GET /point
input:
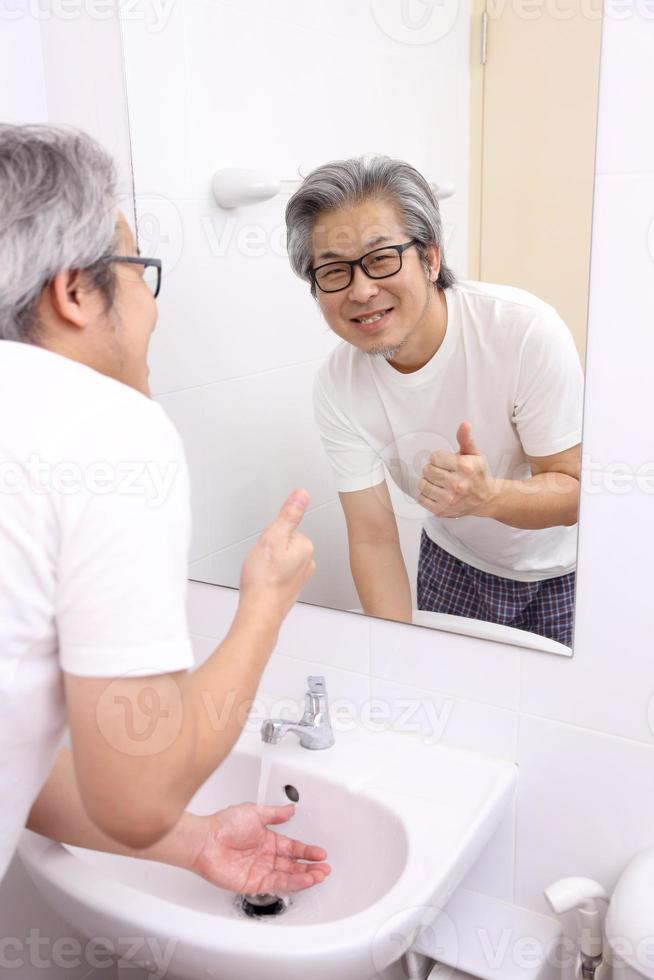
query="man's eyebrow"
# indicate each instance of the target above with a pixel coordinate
(378, 240)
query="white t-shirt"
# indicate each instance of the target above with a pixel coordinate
(94, 535)
(508, 365)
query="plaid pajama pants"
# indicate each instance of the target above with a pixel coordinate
(448, 585)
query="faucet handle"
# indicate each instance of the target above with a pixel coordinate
(316, 684)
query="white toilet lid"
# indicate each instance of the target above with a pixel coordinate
(630, 918)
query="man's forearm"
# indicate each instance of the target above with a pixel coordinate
(381, 579)
(58, 813)
(545, 500)
(161, 736)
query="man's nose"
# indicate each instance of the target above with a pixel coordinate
(362, 286)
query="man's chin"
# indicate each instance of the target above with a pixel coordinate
(386, 348)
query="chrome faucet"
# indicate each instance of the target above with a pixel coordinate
(314, 729)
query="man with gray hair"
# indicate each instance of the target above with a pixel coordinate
(468, 394)
(92, 606)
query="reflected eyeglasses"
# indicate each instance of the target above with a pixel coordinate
(380, 263)
(151, 269)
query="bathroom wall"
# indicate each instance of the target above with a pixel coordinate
(23, 96)
(581, 730)
(239, 339)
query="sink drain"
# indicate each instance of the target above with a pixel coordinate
(260, 906)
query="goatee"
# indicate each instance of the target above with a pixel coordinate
(386, 351)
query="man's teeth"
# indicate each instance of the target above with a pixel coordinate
(372, 319)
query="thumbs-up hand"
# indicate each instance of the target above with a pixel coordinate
(281, 561)
(457, 484)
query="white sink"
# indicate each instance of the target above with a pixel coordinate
(402, 823)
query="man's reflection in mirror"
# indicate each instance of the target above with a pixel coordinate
(468, 394)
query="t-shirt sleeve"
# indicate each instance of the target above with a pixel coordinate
(355, 464)
(125, 534)
(549, 398)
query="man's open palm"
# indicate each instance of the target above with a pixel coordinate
(241, 854)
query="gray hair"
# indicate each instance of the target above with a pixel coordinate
(58, 193)
(345, 182)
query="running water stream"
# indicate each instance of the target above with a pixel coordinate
(264, 773)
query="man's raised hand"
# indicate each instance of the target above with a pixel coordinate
(458, 484)
(281, 561)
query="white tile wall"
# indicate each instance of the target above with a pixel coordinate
(220, 313)
(441, 719)
(625, 141)
(619, 394)
(325, 526)
(22, 71)
(240, 439)
(586, 805)
(460, 666)
(84, 83)
(608, 685)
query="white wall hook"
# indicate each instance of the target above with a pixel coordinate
(443, 189)
(235, 187)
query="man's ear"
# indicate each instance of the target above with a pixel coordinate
(433, 255)
(67, 297)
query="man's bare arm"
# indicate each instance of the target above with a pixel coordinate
(549, 498)
(461, 485)
(233, 848)
(376, 559)
(58, 813)
(143, 745)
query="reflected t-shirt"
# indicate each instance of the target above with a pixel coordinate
(508, 365)
(94, 535)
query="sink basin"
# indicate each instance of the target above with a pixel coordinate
(484, 630)
(402, 823)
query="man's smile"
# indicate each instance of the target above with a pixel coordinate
(372, 320)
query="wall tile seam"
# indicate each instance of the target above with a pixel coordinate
(320, 31)
(238, 377)
(519, 712)
(623, 174)
(290, 656)
(321, 663)
(255, 537)
(370, 679)
(448, 696)
(585, 730)
(373, 623)
(516, 809)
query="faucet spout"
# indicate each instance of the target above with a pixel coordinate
(314, 729)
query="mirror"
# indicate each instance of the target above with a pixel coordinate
(454, 413)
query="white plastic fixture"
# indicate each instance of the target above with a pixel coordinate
(630, 919)
(236, 187)
(580, 894)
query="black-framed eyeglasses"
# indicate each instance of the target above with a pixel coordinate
(378, 264)
(151, 269)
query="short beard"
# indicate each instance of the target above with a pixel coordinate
(385, 351)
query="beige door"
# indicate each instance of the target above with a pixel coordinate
(533, 148)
